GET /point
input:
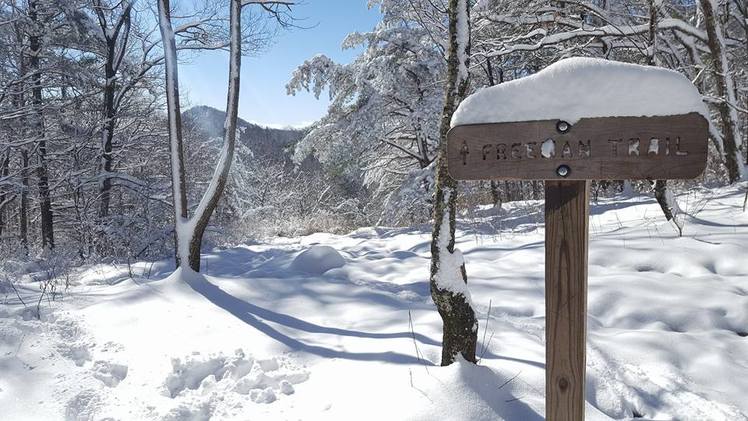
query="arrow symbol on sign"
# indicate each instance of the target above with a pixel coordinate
(464, 151)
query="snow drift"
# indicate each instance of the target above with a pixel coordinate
(317, 260)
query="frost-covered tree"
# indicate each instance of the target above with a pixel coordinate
(44, 64)
(51, 105)
(131, 53)
(381, 128)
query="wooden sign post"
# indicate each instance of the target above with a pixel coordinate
(567, 157)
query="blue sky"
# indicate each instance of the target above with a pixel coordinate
(263, 96)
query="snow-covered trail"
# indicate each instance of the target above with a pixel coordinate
(263, 336)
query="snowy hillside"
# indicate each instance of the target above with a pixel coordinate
(343, 327)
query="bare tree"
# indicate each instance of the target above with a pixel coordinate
(190, 229)
(116, 32)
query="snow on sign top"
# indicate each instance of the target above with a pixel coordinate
(582, 119)
(576, 88)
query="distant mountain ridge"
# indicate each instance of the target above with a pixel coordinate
(265, 142)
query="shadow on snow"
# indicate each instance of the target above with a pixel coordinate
(253, 315)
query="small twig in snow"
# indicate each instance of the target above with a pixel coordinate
(415, 344)
(510, 380)
(16, 291)
(485, 330)
(485, 348)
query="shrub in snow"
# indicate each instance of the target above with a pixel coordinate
(317, 260)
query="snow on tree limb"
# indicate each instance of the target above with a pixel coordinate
(547, 41)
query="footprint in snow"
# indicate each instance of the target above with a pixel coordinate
(262, 380)
(83, 406)
(72, 342)
(109, 373)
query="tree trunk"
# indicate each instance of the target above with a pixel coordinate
(20, 102)
(23, 222)
(107, 133)
(495, 190)
(495, 194)
(4, 171)
(745, 141)
(460, 326)
(210, 200)
(42, 172)
(114, 56)
(726, 93)
(176, 148)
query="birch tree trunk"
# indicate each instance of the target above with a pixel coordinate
(726, 93)
(174, 118)
(448, 280)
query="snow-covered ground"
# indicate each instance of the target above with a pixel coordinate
(265, 337)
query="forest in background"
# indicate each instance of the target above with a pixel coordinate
(84, 156)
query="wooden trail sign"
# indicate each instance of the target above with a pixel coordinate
(609, 148)
(567, 157)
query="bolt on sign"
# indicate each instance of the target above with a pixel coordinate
(665, 145)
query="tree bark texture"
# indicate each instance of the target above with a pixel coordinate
(460, 326)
